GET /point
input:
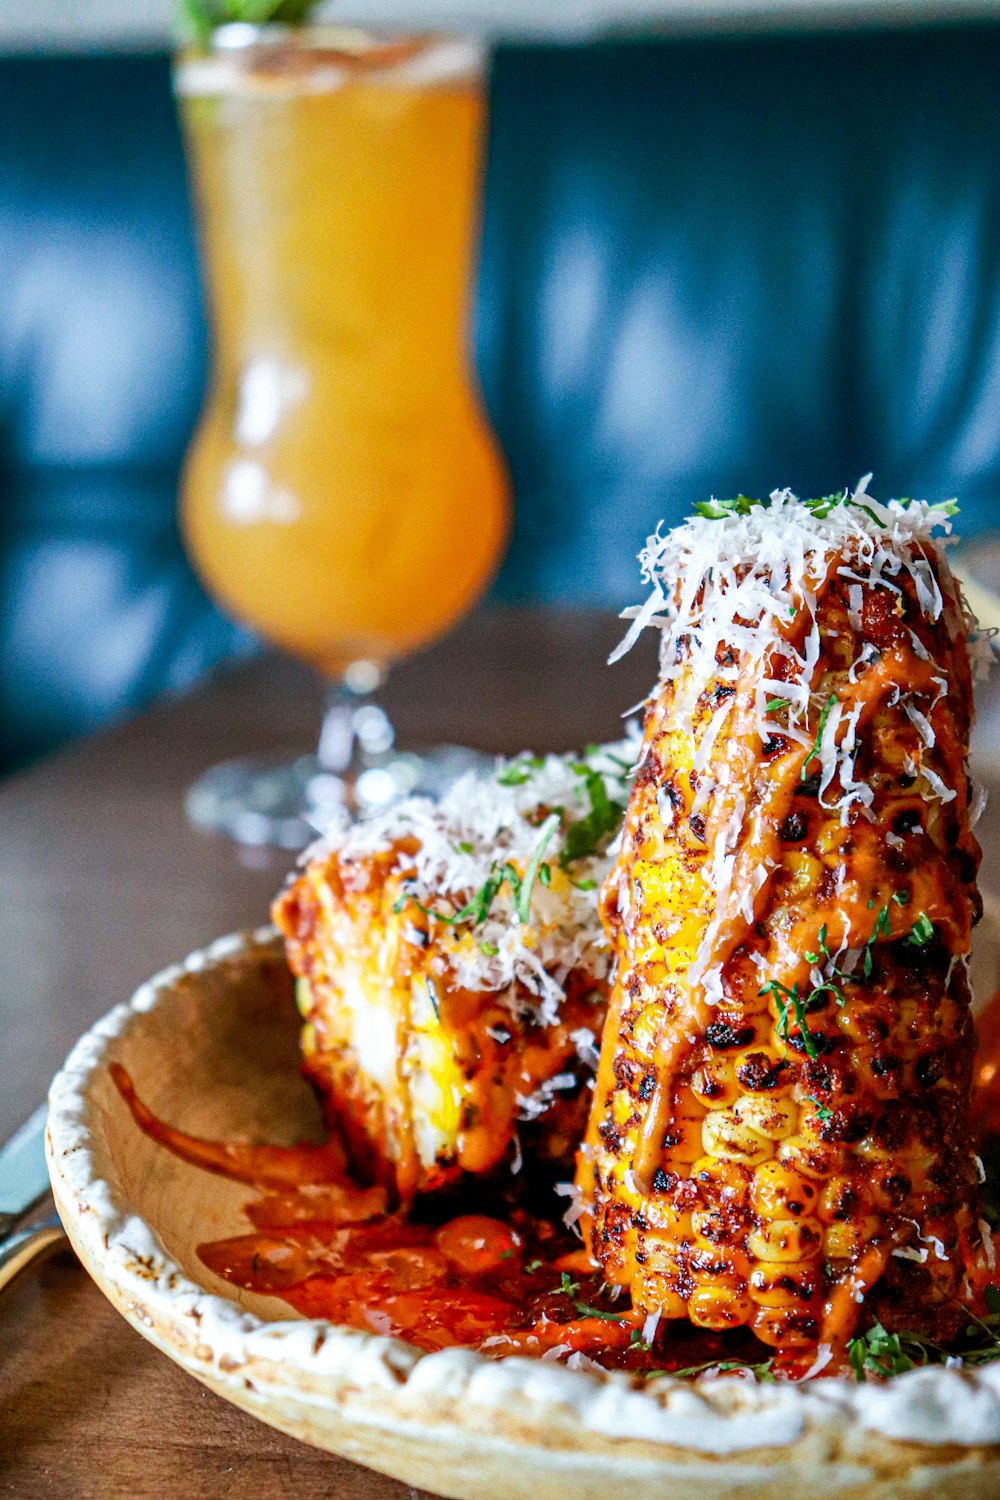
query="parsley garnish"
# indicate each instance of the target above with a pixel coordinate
(881, 1354)
(821, 726)
(823, 1110)
(775, 705)
(567, 1286)
(586, 835)
(762, 1371)
(524, 894)
(790, 1002)
(922, 931)
(519, 771)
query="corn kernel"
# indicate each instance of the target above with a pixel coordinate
(762, 1070)
(785, 1283)
(844, 1239)
(682, 1141)
(647, 1028)
(841, 1198)
(785, 1328)
(814, 1158)
(778, 1191)
(721, 1305)
(622, 1107)
(723, 1134)
(715, 1177)
(652, 1291)
(714, 1083)
(804, 870)
(786, 1240)
(774, 1118)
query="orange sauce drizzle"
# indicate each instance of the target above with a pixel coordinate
(511, 1281)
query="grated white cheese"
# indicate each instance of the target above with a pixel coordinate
(480, 825)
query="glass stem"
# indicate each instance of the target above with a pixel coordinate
(356, 736)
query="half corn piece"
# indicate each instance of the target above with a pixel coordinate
(780, 1134)
(453, 969)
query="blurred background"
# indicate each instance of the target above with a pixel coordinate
(725, 247)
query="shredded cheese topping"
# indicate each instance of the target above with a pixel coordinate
(740, 577)
(553, 823)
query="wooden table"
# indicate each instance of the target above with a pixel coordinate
(102, 882)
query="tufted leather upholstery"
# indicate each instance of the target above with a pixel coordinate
(707, 266)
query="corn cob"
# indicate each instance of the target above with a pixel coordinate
(452, 970)
(780, 1132)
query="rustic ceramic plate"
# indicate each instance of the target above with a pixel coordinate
(212, 1047)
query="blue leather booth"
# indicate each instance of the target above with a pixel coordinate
(708, 266)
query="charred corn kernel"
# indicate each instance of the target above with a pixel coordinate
(682, 1140)
(623, 1108)
(786, 1240)
(658, 1293)
(830, 837)
(789, 1284)
(842, 1240)
(714, 1084)
(647, 1028)
(780, 1191)
(726, 1304)
(773, 1118)
(805, 872)
(663, 1255)
(667, 1220)
(725, 1181)
(814, 1158)
(786, 1328)
(830, 1056)
(763, 1070)
(724, 1134)
(842, 1198)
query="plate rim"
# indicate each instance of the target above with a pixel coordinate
(724, 1423)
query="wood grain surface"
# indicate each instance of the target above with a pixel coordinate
(102, 882)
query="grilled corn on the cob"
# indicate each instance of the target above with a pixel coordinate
(452, 969)
(780, 1134)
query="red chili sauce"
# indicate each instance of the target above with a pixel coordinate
(512, 1280)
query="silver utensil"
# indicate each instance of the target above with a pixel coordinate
(24, 1182)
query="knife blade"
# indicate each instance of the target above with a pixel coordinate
(24, 1177)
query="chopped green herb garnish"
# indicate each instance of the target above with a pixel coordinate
(464, 847)
(775, 705)
(823, 1110)
(821, 726)
(533, 1266)
(790, 1003)
(567, 1286)
(586, 1311)
(520, 770)
(762, 1371)
(490, 949)
(901, 898)
(922, 931)
(524, 895)
(586, 835)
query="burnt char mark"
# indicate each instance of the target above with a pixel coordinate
(609, 1135)
(795, 828)
(721, 1037)
(664, 1182)
(697, 825)
(759, 1073)
(647, 1085)
(775, 744)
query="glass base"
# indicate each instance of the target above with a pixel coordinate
(265, 802)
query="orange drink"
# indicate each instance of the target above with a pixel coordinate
(343, 495)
